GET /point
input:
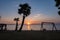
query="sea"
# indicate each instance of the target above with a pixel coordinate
(34, 27)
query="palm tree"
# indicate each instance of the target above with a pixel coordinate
(58, 5)
(16, 19)
(25, 10)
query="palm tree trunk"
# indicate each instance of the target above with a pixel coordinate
(16, 25)
(22, 23)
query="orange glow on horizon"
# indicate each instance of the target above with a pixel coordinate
(28, 23)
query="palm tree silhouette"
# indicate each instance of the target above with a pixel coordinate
(16, 19)
(25, 10)
(58, 5)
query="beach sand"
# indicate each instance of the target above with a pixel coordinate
(30, 35)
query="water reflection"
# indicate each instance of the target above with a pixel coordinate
(32, 27)
(28, 27)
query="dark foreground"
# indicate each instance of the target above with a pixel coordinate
(30, 35)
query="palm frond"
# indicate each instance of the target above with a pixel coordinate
(16, 19)
(59, 12)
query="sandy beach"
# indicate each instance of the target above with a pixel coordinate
(30, 35)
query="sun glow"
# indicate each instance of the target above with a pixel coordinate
(28, 23)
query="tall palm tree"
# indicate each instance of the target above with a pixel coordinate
(16, 19)
(25, 10)
(58, 5)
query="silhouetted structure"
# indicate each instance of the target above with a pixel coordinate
(3, 25)
(25, 10)
(16, 19)
(48, 23)
(0, 17)
(58, 5)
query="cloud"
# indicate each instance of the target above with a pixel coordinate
(35, 17)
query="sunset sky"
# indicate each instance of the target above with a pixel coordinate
(41, 10)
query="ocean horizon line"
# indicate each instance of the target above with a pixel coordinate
(26, 24)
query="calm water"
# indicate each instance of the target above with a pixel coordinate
(33, 27)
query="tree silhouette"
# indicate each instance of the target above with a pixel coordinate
(58, 5)
(16, 19)
(25, 10)
(0, 17)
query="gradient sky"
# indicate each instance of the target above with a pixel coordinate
(41, 10)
